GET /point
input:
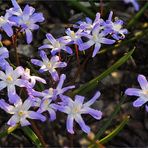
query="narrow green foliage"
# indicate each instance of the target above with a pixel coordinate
(32, 136)
(77, 5)
(109, 120)
(125, 42)
(137, 16)
(1, 45)
(94, 82)
(107, 123)
(115, 131)
(8, 131)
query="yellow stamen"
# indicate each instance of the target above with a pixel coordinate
(145, 92)
(20, 113)
(48, 65)
(72, 34)
(46, 101)
(9, 78)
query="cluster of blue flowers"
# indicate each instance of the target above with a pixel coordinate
(94, 33)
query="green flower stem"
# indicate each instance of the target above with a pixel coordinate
(8, 131)
(1, 44)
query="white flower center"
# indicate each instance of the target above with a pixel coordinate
(145, 92)
(48, 65)
(57, 44)
(20, 113)
(46, 102)
(75, 109)
(117, 27)
(95, 37)
(9, 79)
(73, 35)
(2, 20)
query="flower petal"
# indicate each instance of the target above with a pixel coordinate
(36, 62)
(28, 10)
(13, 97)
(28, 36)
(139, 102)
(91, 101)
(6, 107)
(94, 113)
(44, 56)
(2, 85)
(79, 99)
(36, 115)
(86, 45)
(27, 104)
(54, 75)
(13, 120)
(2, 75)
(24, 122)
(107, 41)
(69, 124)
(132, 92)
(50, 38)
(8, 29)
(45, 46)
(96, 49)
(143, 82)
(18, 71)
(82, 124)
(52, 114)
(61, 81)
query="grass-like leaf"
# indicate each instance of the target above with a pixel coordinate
(107, 123)
(32, 136)
(77, 5)
(94, 82)
(8, 131)
(115, 131)
(137, 16)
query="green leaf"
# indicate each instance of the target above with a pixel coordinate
(107, 123)
(94, 82)
(1, 45)
(32, 136)
(137, 16)
(77, 5)
(8, 131)
(115, 131)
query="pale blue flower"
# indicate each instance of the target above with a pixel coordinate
(142, 93)
(73, 37)
(6, 25)
(32, 79)
(10, 79)
(49, 65)
(96, 38)
(88, 24)
(20, 112)
(56, 45)
(58, 91)
(134, 3)
(75, 108)
(47, 105)
(115, 28)
(27, 21)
